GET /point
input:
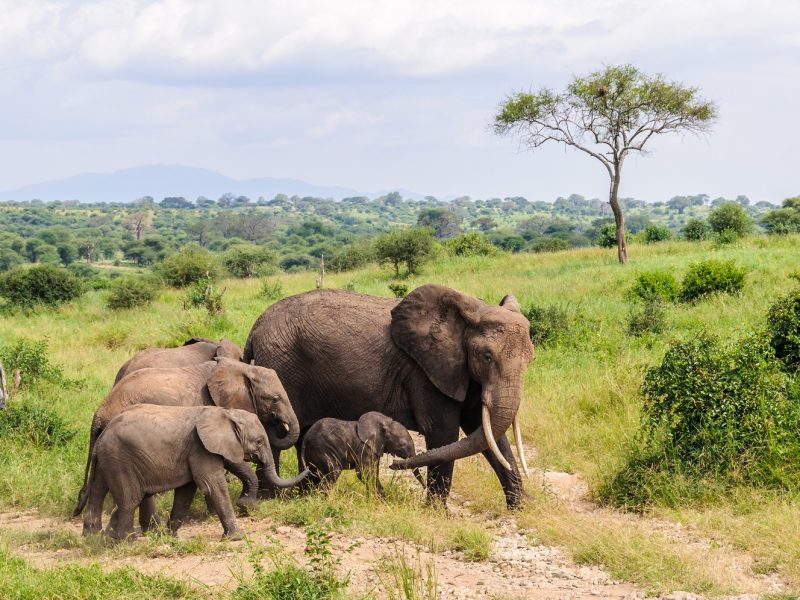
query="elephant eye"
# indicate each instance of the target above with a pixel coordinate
(487, 357)
(276, 397)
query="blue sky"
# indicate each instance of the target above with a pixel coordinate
(381, 94)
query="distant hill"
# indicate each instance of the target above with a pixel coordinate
(160, 181)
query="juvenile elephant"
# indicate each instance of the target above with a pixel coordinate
(193, 352)
(332, 445)
(150, 449)
(226, 383)
(437, 361)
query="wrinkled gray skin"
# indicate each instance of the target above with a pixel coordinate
(150, 449)
(225, 383)
(332, 445)
(193, 352)
(437, 361)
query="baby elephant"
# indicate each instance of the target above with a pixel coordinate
(331, 445)
(148, 449)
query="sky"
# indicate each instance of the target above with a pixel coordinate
(384, 94)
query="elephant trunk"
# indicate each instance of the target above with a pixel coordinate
(284, 430)
(495, 422)
(265, 457)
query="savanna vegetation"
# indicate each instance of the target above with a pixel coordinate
(669, 385)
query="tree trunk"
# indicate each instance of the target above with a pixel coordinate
(619, 218)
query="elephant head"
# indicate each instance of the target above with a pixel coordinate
(456, 338)
(382, 435)
(237, 435)
(235, 384)
(227, 349)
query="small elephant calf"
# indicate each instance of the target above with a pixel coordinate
(332, 445)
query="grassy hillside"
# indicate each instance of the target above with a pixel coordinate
(581, 408)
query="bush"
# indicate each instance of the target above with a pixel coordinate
(412, 247)
(722, 410)
(469, 244)
(550, 244)
(400, 290)
(249, 260)
(202, 294)
(655, 285)
(298, 262)
(130, 292)
(696, 230)
(32, 361)
(549, 324)
(271, 289)
(41, 284)
(353, 256)
(39, 426)
(188, 266)
(712, 276)
(783, 327)
(730, 216)
(656, 233)
(607, 236)
(647, 319)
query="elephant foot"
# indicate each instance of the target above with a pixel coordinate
(153, 522)
(91, 529)
(267, 493)
(247, 503)
(237, 535)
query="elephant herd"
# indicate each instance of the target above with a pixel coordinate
(339, 375)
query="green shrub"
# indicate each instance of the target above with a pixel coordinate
(730, 216)
(550, 244)
(783, 327)
(647, 319)
(41, 284)
(130, 292)
(202, 294)
(271, 289)
(722, 410)
(727, 236)
(549, 324)
(696, 230)
(355, 255)
(35, 425)
(607, 236)
(31, 359)
(652, 285)
(712, 276)
(412, 247)
(469, 244)
(188, 266)
(656, 233)
(249, 260)
(400, 290)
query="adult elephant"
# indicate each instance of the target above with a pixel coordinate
(225, 383)
(437, 361)
(193, 352)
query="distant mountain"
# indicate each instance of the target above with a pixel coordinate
(160, 181)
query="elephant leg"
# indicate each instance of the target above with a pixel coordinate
(93, 517)
(250, 484)
(120, 525)
(180, 505)
(510, 481)
(440, 477)
(368, 475)
(148, 517)
(220, 500)
(301, 462)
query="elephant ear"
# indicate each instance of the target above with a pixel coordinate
(371, 430)
(510, 302)
(429, 325)
(221, 434)
(227, 349)
(229, 385)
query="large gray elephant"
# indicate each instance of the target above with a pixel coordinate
(150, 449)
(193, 352)
(225, 383)
(437, 361)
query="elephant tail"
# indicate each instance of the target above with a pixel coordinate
(83, 495)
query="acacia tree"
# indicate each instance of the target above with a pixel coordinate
(607, 114)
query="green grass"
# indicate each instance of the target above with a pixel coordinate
(581, 408)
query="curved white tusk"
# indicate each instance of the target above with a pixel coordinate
(520, 448)
(487, 433)
(286, 427)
